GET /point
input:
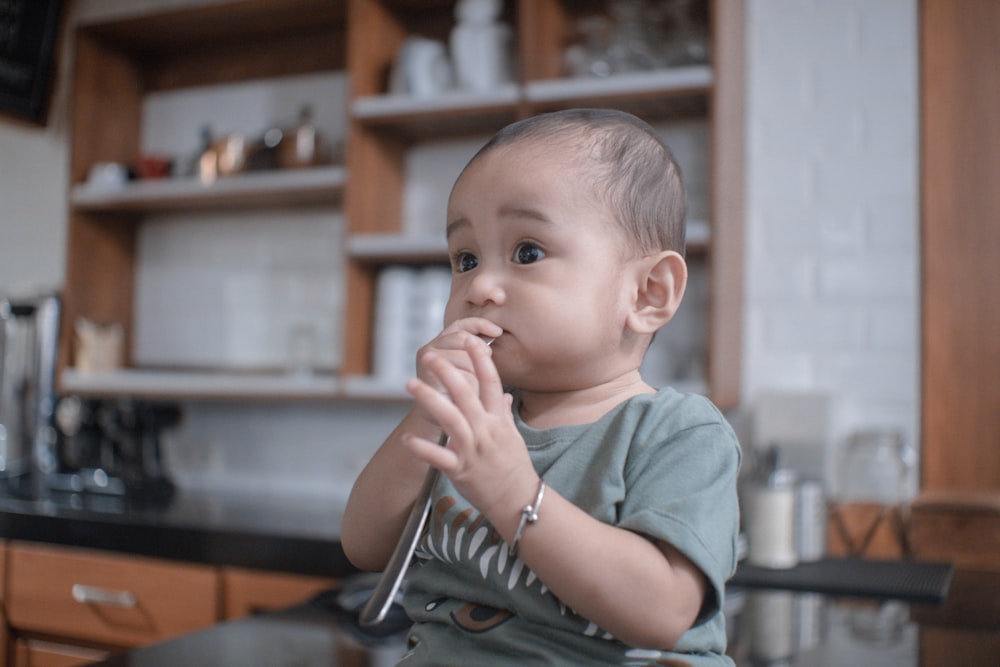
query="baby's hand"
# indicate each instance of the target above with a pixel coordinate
(451, 343)
(485, 457)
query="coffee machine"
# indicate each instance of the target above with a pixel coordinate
(111, 446)
(51, 443)
(29, 330)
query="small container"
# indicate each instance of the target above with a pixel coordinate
(810, 520)
(771, 617)
(772, 520)
(107, 175)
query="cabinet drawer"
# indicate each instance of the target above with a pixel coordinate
(34, 653)
(118, 600)
(248, 592)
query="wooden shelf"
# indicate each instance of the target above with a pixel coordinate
(402, 248)
(174, 384)
(375, 107)
(417, 248)
(319, 185)
(660, 93)
(168, 384)
(120, 61)
(369, 387)
(696, 79)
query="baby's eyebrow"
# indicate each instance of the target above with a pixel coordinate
(524, 213)
(517, 212)
(454, 225)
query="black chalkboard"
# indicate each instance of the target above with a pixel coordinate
(29, 32)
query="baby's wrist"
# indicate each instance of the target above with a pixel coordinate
(508, 510)
(529, 514)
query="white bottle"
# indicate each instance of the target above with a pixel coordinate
(771, 528)
(479, 45)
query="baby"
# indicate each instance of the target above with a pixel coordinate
(583, 517)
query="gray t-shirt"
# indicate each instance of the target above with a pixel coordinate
(663, 465)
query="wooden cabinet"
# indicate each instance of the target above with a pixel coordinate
(248, 592)
(121, 61)
(3, 604)
(67, 606)
(106, 600)
(118, 65)
(29, 652)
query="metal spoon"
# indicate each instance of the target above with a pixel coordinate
(378, 605)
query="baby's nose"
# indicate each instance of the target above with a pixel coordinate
(486, 288)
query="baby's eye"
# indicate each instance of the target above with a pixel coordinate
(464, 261)
(527, 253)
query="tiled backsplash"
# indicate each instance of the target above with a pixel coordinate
(315, 450)
(241, 290)
(832, 292)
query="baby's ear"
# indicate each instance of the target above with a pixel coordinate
(660, 282)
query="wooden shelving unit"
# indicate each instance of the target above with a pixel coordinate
(384, 127)
(319, 185)
(118, 63)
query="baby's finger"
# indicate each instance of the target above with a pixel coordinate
(477, 326)
(440, 406)
(431, 453)
(461, 390)
(490, 387)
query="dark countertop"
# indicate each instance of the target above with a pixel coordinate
(262, 531)
(301, 535)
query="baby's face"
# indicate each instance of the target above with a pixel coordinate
(534, 250)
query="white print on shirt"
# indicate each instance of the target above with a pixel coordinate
(469, 532)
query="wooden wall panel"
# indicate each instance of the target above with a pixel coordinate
(960, 137)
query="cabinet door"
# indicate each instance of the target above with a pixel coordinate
(36, 653)
(107, 599)
(960, 237)
(4, 652)
(252, 592)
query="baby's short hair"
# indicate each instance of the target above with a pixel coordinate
(634, 171)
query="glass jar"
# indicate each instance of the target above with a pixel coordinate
(876, 466)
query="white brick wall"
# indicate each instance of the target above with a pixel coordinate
(831, 288)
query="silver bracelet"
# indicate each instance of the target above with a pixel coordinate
(528, 515)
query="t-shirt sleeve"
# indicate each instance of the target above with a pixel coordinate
(681, 488)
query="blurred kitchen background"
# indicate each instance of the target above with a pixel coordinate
(824, 308)
(221, 242)
(830, 289)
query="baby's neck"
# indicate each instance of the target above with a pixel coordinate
(548, 409)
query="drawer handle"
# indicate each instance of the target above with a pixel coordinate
(106, 596)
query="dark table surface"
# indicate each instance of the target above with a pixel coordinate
(863, 614)
(766, 629)
(256, 530)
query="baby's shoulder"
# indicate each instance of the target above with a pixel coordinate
(677, 409)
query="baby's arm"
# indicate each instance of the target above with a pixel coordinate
(383, 494)
(644, 593)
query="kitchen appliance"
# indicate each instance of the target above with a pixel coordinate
(51, 443)
(111, 446)
(29, 329)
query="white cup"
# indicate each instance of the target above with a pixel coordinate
(107, 175)
(425, 67)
